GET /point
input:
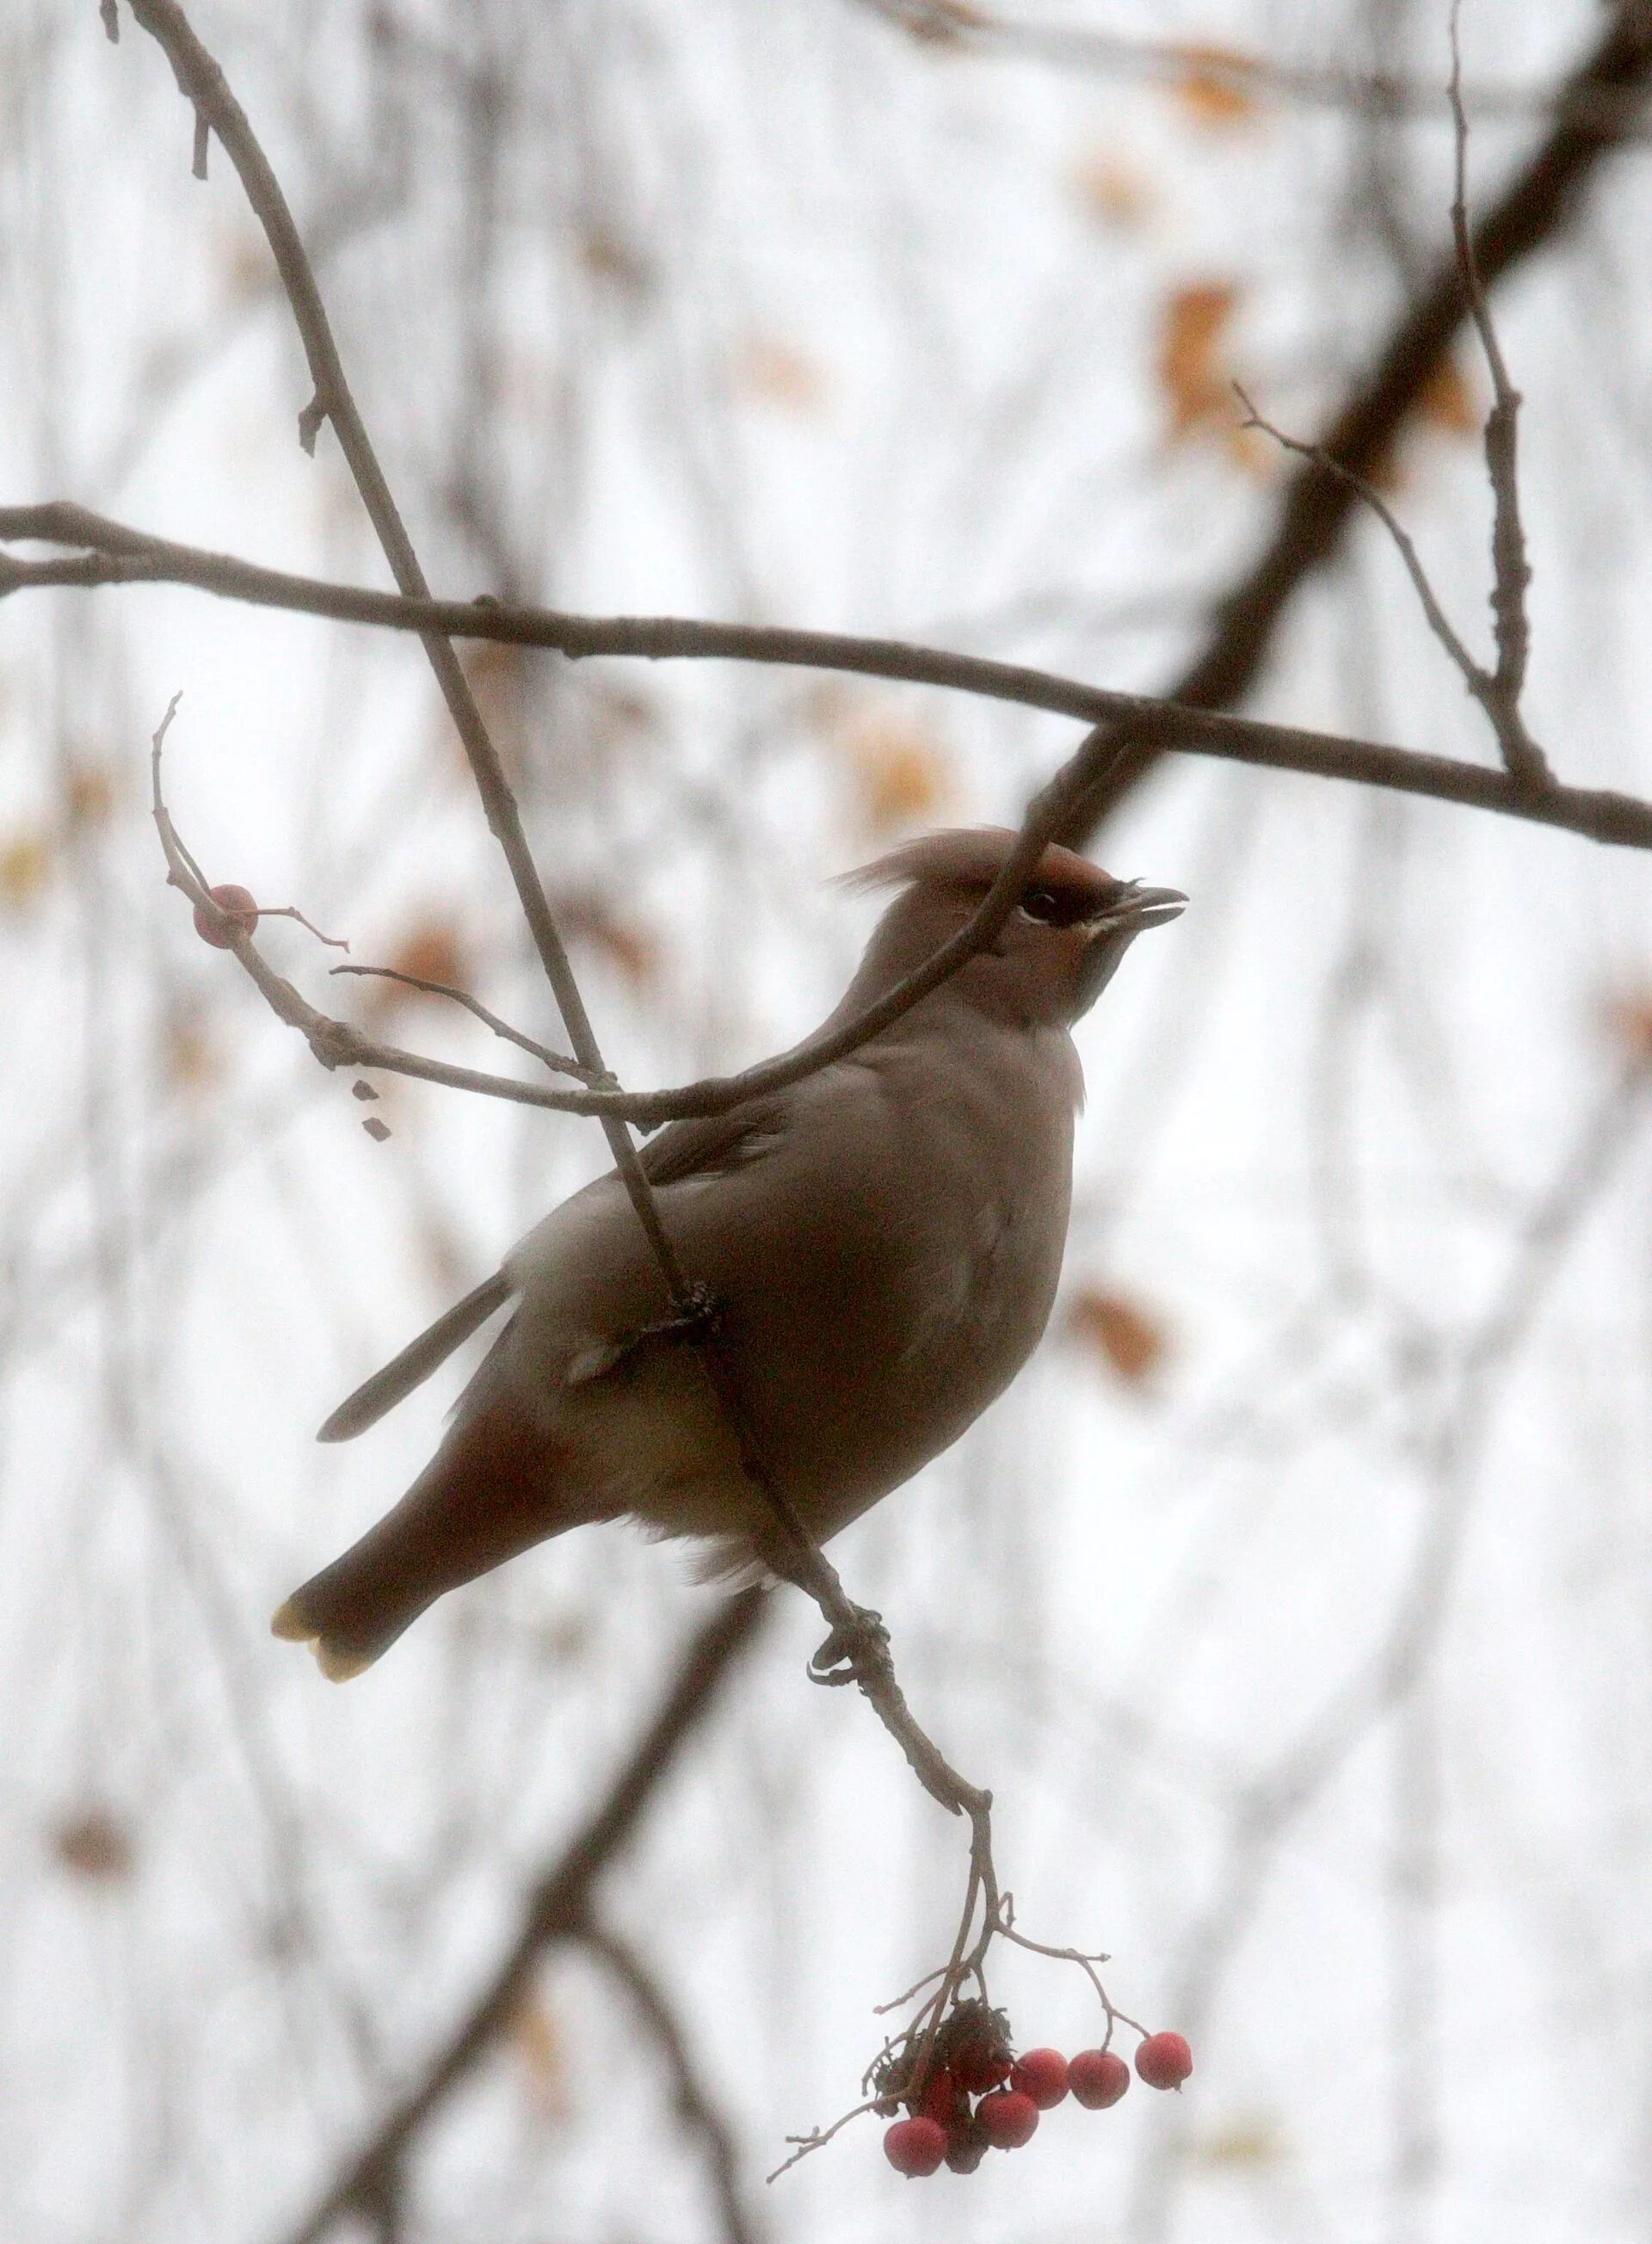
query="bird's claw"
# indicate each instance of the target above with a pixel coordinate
(854, 1646)
(700, 1318)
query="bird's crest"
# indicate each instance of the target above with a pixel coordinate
(970, 858)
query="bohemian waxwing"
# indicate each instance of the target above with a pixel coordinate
(882, 1239)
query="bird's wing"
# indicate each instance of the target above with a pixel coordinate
(416, 1362)
(710, 1146)
(713, 1145)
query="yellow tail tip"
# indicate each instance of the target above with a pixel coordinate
(337, 1665)
(289, 1624)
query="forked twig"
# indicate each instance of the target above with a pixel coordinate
(558, 1062)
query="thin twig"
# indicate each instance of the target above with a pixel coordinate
(292, 911)
(1527, 767)
(694, 2100)
(1439, 622)
(899, 2001)
(559, 1062)
(821, 2136)
(204, 83)
(1511, 570)
(1087, 1962)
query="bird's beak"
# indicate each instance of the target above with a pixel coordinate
(1136, 909)
(1109, 935)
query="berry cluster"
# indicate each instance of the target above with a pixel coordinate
(971, 2059)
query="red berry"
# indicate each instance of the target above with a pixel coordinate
(1007, 2118)
(940, 2098)
(981, 2066)
(966, 2145)
(1041, 2074)
(1098, 2078)
(914, 2148)
(237, 906)
(1164, 2061)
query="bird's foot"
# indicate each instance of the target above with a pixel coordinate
(699, 1319)
(857, 1650)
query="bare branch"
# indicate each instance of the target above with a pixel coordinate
(1525, 763)
(1171, 61)
(1151, 726)
(1315, 510)
(694, 2100)
(1439, 622)
(203, 83)
(819, 2137)
(558, 1908)
(558, 1062)
(1511, 571)
(857, 1647)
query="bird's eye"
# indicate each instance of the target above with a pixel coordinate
(1045, 905)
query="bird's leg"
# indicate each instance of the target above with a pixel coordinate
(858, 1647)
(698, 1317)
(858, 1644)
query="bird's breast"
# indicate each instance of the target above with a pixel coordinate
(948, 1257)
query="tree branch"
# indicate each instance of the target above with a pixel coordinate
(857, 1647)
(121, 554)
(694, 2102)
(1316, 507)
(557, 1908)
(1172, 63)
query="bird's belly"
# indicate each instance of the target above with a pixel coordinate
(850, 1403)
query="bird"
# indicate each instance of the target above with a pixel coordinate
(881, 1241)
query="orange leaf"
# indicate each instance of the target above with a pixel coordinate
(1446, 400)
(88, 793)
(901, 774)
(944, 23)
(1193, 368)
(94, 1845)
(1213, 85)
(244, 263)
(608, 254)
(1111, 192)
(433, 950)
(1129, 1338)
(1250, 2143)
(1628, 1021)
(188, 1059)
(539, 2045)
(777, 373)
(496, 674)
(588, 917)
(26, 867)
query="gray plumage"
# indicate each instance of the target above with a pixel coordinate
(883, 1241)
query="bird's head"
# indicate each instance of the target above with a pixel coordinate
(1054, 956)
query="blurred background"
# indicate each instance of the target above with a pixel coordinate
(1296, 1603)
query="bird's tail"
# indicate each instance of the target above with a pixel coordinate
(496, 1485)
(352, 1611)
